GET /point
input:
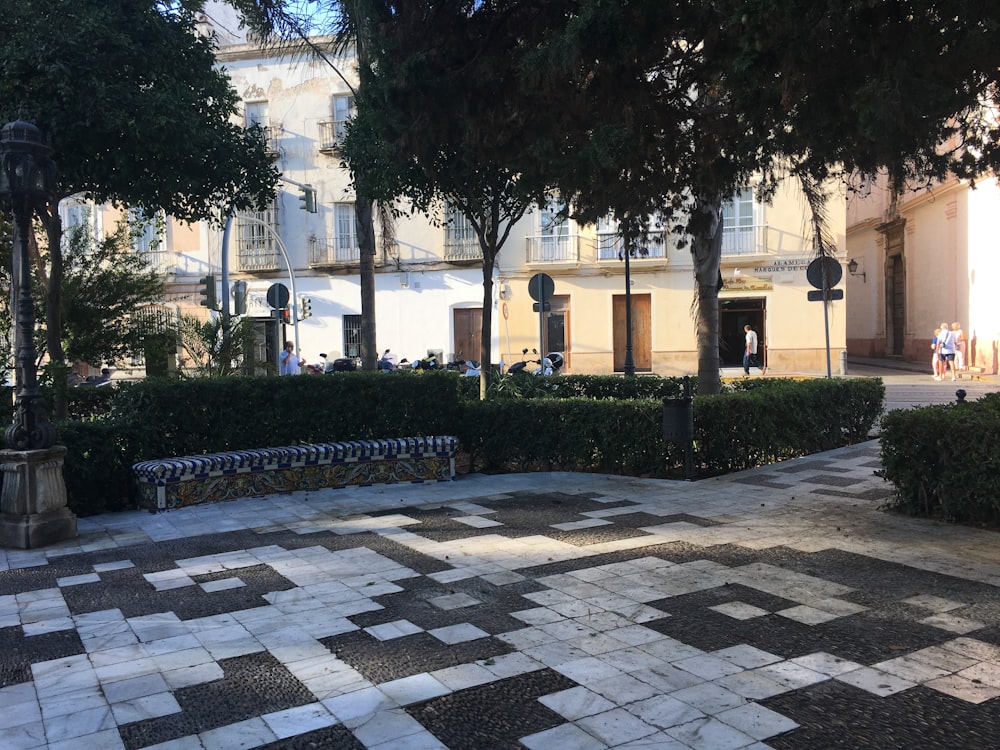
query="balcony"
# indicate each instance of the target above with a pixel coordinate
(271, 136)
(751, 240)
(331, 133)
(461, 250)
(333, 251)
(761, 239)
(256, 248)
(553, 249)
(610, 246)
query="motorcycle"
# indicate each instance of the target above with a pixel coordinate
(547, 365)
(388, 362)
(341, 364)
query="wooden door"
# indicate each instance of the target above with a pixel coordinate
(468, 333)
(642, 336)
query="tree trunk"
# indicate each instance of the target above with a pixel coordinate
(486, 334)
(706, 248)
(366, 246)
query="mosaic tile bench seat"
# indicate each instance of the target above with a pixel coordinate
(215, 477)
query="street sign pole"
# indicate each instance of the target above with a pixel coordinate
(826, 318)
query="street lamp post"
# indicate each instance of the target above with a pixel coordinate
(33, 509)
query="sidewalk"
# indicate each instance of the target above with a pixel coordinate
(776, 608)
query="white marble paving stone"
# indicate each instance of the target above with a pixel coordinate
(540, 615)
(477, 522)
(938, 656)
(825, 663)
(587, 670)
(391, 630)
(78, 723)
(299, 720)
(47, 626)
(116, 565)
(564, 737)
(911, 669)
(709, 698)
(385, 726)
(76, 700)
(78, 580)
(747, 656)
(134, 687)
(198, 674)
(623, 689)
(223, 584)
(587, 523)
(460, 633)
(108, 739)
(707, 667)
(709, 734)
(807, 615)
(739, 610)
(615, 727)
(358, 703)
(146, 707)
(244, 734)
(462, 676)
(964, 689)
(23, 736)
(664, 711)
(449, 602)
(575, 703)
(752, 686)
(636, 635)
(757, 721)
(952, 623)
(670, 650)
(983, 672)
(659, 741)
(511, 665)
(414, 689)
(791, 675)
(974, 649)
(417, 741)
(875, 681)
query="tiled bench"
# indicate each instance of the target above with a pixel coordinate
(215, 477)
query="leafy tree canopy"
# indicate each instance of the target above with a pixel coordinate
(133, 104)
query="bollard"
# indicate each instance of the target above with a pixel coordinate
(843, 363)
(960, 394)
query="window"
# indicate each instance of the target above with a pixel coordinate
(256, 114)
(610, 245)
(352, 335)
(343, 110)
(460, 239)
(740, 224)
(148, 236)
(255, 243)
(345, 237)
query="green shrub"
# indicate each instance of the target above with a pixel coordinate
(942, 460)
(163, 418)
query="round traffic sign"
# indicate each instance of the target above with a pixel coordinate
(814, 273)
(277, 296)
(541, 286)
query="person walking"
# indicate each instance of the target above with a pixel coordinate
(946, 352)
(750, 352)
(935, 362)
(961, 361)
(288, 362)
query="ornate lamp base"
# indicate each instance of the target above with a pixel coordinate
(33, 510)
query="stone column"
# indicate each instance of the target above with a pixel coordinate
(33, 510)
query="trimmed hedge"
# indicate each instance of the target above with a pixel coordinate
(943, 460)
(153, 419)
(773, 421)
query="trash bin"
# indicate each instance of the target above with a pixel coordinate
(678, 419)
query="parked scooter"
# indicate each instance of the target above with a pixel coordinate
(427, 363)
(388, 362)
(547, 365)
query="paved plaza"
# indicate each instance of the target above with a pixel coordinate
(777, 608)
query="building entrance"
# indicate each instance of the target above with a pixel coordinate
(733, 315)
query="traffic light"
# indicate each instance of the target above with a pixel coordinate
(286, 316)
(307, 198)
(207, 292)
(239, 298)
(305, 308)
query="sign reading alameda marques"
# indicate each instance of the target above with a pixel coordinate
(786, 264)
